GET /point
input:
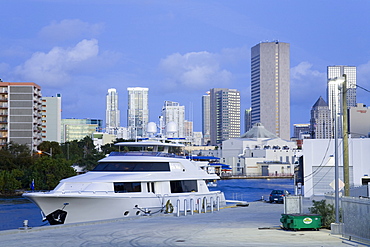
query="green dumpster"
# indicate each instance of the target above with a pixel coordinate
(301, 221)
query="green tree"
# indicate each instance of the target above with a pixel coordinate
(10, 181)
(47, 172)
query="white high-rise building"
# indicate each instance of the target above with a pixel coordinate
(334, 92)
(225, 114)
(112, 117)
(332, 89)
(137, 112)
(173, 115)
(270, 87)
(206, 118)
(51, 118)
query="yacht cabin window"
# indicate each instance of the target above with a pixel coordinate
(132, 167)
(183, 186)
(126, 187)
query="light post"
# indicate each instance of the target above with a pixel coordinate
(336, 87)
(41, 152)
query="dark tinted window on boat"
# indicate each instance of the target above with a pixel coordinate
(126, 187)
(133, 167)
(183, 186)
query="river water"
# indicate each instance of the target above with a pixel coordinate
(14, 210)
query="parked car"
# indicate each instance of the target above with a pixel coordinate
(278, 196)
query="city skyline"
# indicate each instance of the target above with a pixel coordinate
(178, 50)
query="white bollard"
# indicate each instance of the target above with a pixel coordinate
(178, 208)
(191, 206)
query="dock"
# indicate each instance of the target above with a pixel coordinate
(255, 225)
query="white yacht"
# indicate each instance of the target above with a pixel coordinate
(150, 180)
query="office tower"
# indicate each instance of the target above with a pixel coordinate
(173, 115)
(247, 119)
(225, 114)
(332, 88)
(20, 113)
(112, 116)
(206, 118)
(321, 120)
(301, 130)
(51, 118)
(77, 129)
(137, 112)
(270, 87)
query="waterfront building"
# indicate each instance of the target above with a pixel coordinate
(359, 121)
(20, 113)
(173, 117)
(270, 87)
(77, 129)
(206, 118)
(137, 112)
(321, 124)
(225, 114)
(318, 169)
(51, 118)
(301, 131)
(252, 153)
(247, 119)
(112, 114)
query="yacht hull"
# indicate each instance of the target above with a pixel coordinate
(64, 209)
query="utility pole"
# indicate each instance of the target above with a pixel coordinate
(345, 137)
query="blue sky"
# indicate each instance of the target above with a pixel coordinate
(178, 49)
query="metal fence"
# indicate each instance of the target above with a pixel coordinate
(356, 218)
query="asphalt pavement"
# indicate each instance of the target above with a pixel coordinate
(255, 225)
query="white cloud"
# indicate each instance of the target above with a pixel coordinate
(195, 70)
(70, 29)
(307, 84)
(57, 65)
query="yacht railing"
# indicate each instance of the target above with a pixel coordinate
(140, 153)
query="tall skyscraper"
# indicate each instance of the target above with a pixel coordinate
(51, 118)
(321, 120)
(20, 113)
(247, 119)
(332, 89)
(112, 116)
(225, 114)
(206, 118)
(174, 113)
(334, 92)
(137, 112)
(270, 87)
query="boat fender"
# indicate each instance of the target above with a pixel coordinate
(169, 207)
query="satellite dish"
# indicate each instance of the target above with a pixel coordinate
(152, 127)
(171, 127)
